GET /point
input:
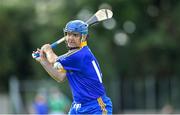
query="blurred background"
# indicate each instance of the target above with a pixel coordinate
(137, 50)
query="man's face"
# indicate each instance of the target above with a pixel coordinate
(73, 39)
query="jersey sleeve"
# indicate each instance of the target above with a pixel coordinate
(59, 67)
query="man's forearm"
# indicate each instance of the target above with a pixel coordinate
(55, 74)
(51, 56)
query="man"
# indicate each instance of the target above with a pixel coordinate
(81, 68)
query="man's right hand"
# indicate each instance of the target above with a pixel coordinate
(45, 54)
(41, 55)
(49, 54)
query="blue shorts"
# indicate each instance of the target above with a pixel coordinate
(102, 105)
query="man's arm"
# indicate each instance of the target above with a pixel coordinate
(58, 75)
(47, 59)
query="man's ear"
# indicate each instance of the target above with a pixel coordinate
(84, 37)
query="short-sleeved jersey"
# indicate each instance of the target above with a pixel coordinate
(84, 74)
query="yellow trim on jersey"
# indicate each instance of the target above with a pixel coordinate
(102, 105)
(83, 44)
(62, 70)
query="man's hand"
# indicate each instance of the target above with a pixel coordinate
(50, 55)
(45, 54)
(41, 57)
(47, 49)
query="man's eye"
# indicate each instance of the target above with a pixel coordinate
(69, 34)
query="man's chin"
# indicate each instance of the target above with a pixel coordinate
(71, 46)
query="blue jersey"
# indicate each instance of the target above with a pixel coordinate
(84, 75)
